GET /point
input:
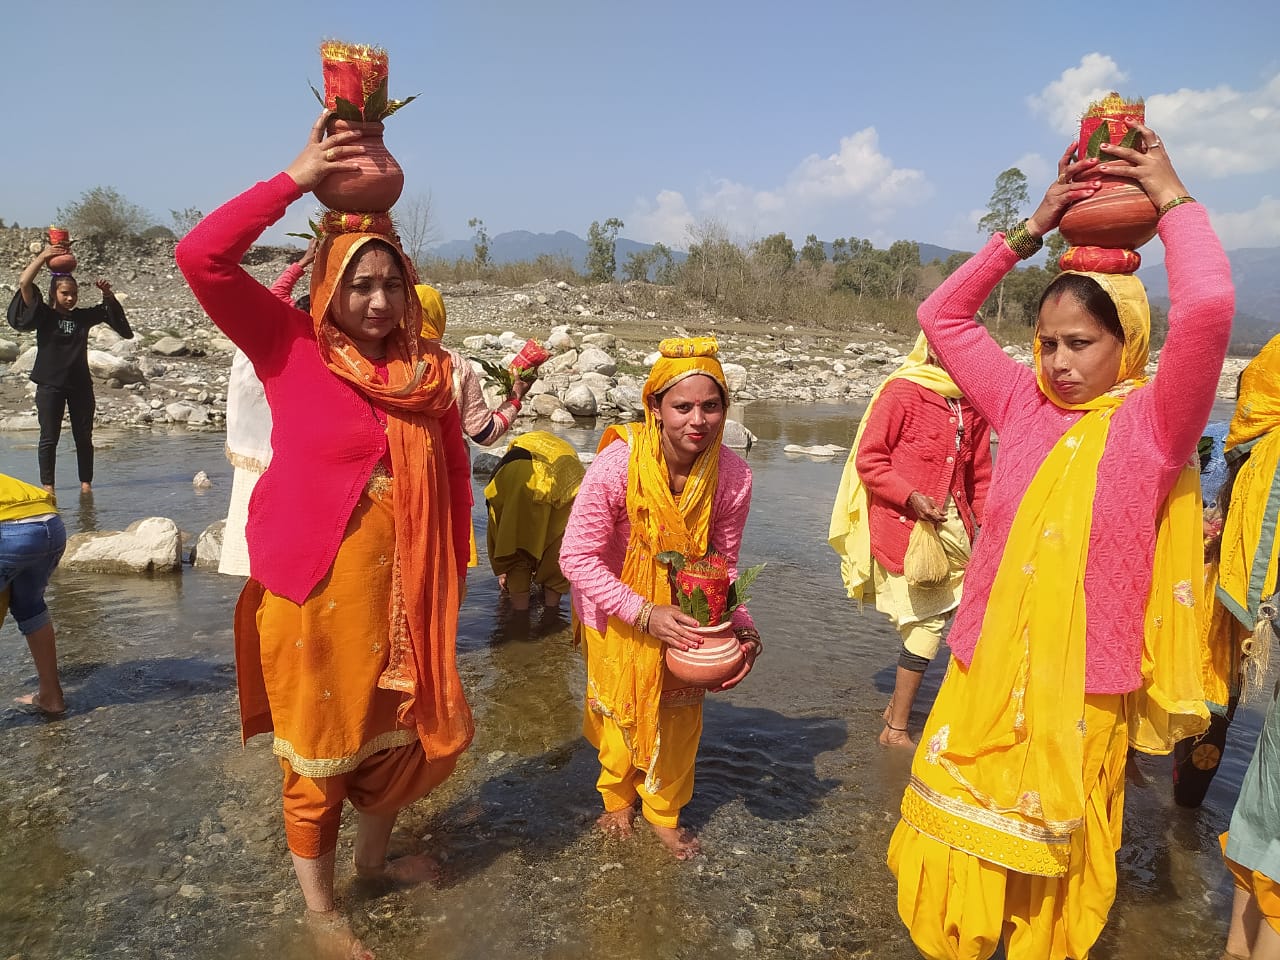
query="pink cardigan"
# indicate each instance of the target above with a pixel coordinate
(595, 539)
(1152, 436)
(325, 436)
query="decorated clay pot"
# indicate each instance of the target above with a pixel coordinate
(717, 660)
(1100, 260)
(1118, 215)
(375, 186)
(62, 262)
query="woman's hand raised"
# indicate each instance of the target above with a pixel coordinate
(324, 155)
(1149, 166)
(1073, 184)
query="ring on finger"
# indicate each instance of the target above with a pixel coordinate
(1154, 144)
(328, 154)
(1062, 178)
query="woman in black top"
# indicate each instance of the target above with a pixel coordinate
(61, 372)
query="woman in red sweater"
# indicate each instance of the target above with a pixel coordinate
(924, 456)
(357, 531)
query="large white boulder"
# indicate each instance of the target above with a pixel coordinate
(107, 366)
(150, 545)
(580, 400)
(208, 550)
(595, 360)
(735, 375)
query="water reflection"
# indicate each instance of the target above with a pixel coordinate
(137, 826)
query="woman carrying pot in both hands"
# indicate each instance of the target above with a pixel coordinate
(1079, 627)
(922, 454)
(665, 485)
(357, 532)
(61, 371)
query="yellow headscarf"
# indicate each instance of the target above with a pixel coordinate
(433, 315)
(849, 533)
(1013, 762)
(625, 676)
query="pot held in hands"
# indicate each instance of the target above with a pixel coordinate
(718, 659)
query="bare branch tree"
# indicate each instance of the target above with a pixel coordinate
(416, 225)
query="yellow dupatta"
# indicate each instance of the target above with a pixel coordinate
(850, 533)
(624, 674)
(1008, 774)
(1250, 549)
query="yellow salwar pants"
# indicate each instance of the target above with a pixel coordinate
(620, 783)
(959, 906)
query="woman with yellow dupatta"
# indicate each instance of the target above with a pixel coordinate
(1079, 630)
(1244, 617)
(922, 454)
(357, 531)
(666, 484)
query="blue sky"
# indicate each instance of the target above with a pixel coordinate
(880, 120)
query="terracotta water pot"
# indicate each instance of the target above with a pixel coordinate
(378, 183)
(1119, 215)
(717, 660)
(61, 263)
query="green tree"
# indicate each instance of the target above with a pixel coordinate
(480, 241)
(839, 250)
(665, 270)
(776, 254)
(185, 220)
(903, 261)
(814, 252)
(602, 245)
(102, 212)
(1004, 211)
(954, 262)
(636, 269)
(1055, 245)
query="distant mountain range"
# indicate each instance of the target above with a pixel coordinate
(1255, 270)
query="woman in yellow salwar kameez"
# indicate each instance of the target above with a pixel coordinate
(666, 484)
(1079, 631)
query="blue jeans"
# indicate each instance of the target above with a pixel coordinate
(29, 552)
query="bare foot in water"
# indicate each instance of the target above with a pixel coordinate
(890, 737)
(333, 937)
(679, 840)
(53, 707)
(618, 823)
(406, 871)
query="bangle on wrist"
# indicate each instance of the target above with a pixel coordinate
(1169, 205)
(1022, 242)
(641, 622)
(514, 401)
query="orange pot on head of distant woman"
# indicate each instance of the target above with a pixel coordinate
(61, 262)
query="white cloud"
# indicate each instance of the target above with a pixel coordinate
(1219, 132)
(1064, 100)
(1259, 227)
(858, 179)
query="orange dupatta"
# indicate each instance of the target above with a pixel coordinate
(423, 615)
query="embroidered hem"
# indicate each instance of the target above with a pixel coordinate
(336, 766)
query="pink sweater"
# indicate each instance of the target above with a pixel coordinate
(1152, 436)
(595, 539)
(326, 436)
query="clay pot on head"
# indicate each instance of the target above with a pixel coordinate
(61, 263)
(1119, 215)
(717, 660)
(378, 183)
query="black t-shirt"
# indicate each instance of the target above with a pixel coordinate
(62, 340)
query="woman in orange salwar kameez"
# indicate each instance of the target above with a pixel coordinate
(357, 532)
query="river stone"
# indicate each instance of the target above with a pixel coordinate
(545, 404)
(9, 351)
(626, 396)
(208, 549)
(561, 416)
(170, 347)
(820, 450)
(735, 375)
(595, 360)
(580, 400)
(480, 342)
(483, 462)
(125, 349)
(21, 421)
(601, 341)
(107, 366)
(559, 341)
(560, 364)
(737, 436)
(508, 340)
(26, 361)
(150, 545)
(651, 358)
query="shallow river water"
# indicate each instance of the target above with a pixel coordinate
(137, 826)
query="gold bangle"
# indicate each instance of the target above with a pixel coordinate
(641, 622)
(1169, 205)
(1022, 242)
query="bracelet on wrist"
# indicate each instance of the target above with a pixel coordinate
(1022, 242)
(1175, 202)
(641, 621)
(514, 401)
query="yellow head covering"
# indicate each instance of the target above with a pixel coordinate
(849, 533)
(1130, 297)
(433, 315)
(624, 668)
(1258, 402)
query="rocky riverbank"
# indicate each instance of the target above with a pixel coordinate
(603, 338)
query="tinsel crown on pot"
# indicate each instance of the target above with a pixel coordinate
(355, 82)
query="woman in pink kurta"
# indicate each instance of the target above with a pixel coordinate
(980, 853)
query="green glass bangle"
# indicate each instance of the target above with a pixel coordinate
(1176, 201)
(1021, 241)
